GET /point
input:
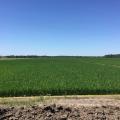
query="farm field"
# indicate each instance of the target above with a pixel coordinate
(59, 76)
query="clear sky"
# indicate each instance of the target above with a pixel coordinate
(59, 27)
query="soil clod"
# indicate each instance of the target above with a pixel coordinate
(57, 112)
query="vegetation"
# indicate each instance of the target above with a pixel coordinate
(59, 76)
(112, 56)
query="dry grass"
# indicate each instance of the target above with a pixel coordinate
(35, 100)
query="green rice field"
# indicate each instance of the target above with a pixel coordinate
(59, 76)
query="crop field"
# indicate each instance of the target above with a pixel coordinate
(59, 76)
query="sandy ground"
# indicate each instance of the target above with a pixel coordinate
(87, 102)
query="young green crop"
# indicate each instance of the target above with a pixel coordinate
(59, 76)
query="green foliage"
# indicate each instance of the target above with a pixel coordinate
(112, 56)
(59, 76)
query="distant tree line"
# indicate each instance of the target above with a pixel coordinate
(37, 56)
(21, 56)
(112, 56)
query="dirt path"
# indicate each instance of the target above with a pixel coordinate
(87, 102)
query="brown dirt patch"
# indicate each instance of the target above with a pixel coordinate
(58, 112)
(69, 108)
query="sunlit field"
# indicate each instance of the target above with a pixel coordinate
(59, 76)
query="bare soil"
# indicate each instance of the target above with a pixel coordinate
(65, 109)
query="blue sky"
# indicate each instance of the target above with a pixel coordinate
(59, 27)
